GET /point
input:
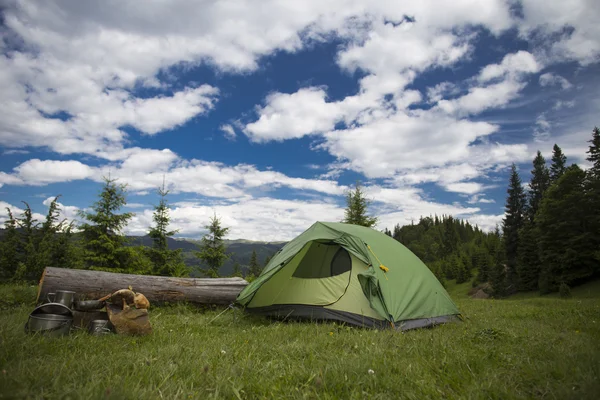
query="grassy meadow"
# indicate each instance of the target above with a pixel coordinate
(523, 347)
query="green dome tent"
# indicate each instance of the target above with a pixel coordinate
(352, 274)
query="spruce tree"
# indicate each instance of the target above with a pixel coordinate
(253, 266)
(103, 241)
(166, 262)
(356, 208)
(559, 164)
(497, 274)
(29, 268)
(237, 270)
(528, 261)
(592, 191)
(48, 247)
(212, 248)
(540, 181)
(10, 248)
(512, 223)
(567, 247)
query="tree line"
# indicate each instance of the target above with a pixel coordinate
(551, 232)
(549, 239)
(27, 246)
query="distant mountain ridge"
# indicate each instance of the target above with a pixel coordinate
(240, 251)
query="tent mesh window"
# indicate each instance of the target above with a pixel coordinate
(323, 260)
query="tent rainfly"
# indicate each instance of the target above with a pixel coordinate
(353, 274)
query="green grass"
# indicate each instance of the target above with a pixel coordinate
(538, 347)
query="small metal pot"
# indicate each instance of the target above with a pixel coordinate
(99, 327)
(49, 324)
(65, 297)
(88, 305)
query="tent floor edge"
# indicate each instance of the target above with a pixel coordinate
(317, 313)
(409, 324)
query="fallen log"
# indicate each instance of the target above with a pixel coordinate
(158, 289)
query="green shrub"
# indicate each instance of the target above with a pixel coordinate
(564, 291)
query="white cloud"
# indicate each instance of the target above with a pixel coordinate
(513, 66)
(486, 222)
(16, 212)
(43, 172)
(405, 141)
(550, 79)
(569, 30)
(288, 116)
(11, 152)
(228, 131)
(262, 218)
(507, 82)
(482, 98)
(560, 104)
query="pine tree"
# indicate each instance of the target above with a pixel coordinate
(253, 266)
(66, 253)
(387, 232)
(48, 247)
(29, 268)
(594, 152)
(559, 164)
(103, 241)
(497, 274)
(528, 262)
(397, 232)
(166, 262)
(540, 181)
(512, 223)
(356, 208)
(482, 264)
(592, 191)
(460, 268)
(567, 246)
(268, 260)
(237, 270)
(212, 249)
(10, 248)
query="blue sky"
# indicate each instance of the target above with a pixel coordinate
(266, 112)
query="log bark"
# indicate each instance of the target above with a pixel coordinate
(158, 289)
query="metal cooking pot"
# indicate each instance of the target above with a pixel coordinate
(50, 324)
(100, 327)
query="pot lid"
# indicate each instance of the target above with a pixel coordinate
(52, 308)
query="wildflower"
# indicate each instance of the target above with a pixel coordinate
(330, 333)
(576, 331)
(223, 352)
(371, 372)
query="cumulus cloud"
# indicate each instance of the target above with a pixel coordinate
(568, 31)
(228, 131)
(43, 172)
(550, 79)
(289, 116)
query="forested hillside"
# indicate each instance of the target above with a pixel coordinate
(549, 239)
(450, 247)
